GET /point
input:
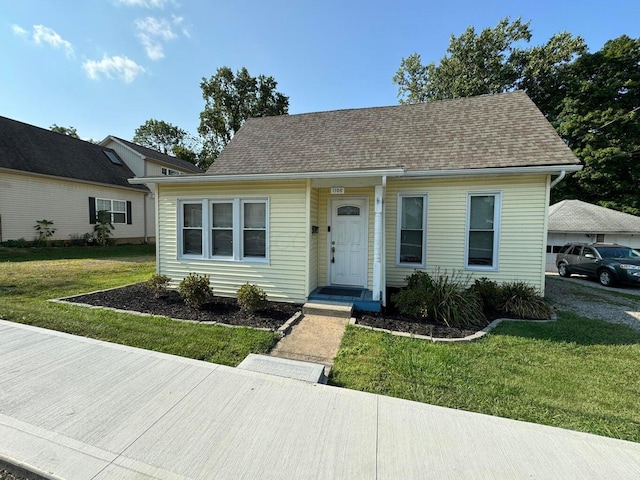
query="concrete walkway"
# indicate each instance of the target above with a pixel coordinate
(316, 338)
(80, 409)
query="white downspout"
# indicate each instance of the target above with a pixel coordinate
(377, 241)
(558, 179)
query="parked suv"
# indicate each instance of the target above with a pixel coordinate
(610, 263)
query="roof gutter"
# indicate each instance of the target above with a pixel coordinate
(493, 171)
(203, 177)
(558, 179)
(390, 172)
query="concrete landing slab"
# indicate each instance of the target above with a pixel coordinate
(284, 367)
(316, 339)
(328, 308)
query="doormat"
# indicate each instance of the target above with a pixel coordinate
(342, 292)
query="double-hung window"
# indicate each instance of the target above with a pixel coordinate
(226, 229)
(483, 229)
(191, 217)
(114, 210)
(412, 230)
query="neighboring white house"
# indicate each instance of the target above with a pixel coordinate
(145, 161)
(576, 221)
(49, 176)
(352, 201)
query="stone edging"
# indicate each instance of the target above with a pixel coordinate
(282, 330)
(479, 334)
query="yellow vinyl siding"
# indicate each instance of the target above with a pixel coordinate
(285, 276)
(26, 198)
(522, 228)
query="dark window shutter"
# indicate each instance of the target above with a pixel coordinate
(92, 210)
(129, 222)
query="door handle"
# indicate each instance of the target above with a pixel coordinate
(333, 256)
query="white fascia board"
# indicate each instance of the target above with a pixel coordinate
(391, 172)
(203, 177)
(493, 171)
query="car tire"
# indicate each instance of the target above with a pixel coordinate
(606, 278)
(563, 270)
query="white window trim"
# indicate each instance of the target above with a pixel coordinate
(425, 207)
(170, 171)
(497, 216)
(112, 211)
(237, 228)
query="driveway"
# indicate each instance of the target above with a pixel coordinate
(587, 298)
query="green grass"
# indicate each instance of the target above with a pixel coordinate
(56, 253)
(25, 287)
(576, 373)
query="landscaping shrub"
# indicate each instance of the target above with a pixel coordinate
(251, 298)
(443, 298)
(524, 301)
(103, 229)
(195, 290)
(44, 229)
(157, 284)
(19, 243)
(490, 293)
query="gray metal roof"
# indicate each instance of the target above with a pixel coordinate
(32, 149)
(504, 130)
(574, 216)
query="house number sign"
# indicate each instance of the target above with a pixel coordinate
(337, 190)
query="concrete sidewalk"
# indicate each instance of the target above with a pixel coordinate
(76, 408)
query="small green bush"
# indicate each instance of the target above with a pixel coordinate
(443, 298)
(19, 243)
(44, 229)
(157, 284)
(251, 298)
(490, 293)
(524, 301)
(195, 290)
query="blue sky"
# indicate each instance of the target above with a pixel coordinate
(106, 66)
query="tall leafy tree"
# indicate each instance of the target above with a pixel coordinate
(599, 117)
(491, 61)
(230, 99)
(71, 131)
(159, 135)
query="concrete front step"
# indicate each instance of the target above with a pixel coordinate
(328, 308)
(285, 367)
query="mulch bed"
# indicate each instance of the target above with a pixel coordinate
(225, 310)
(402, 323)
(221, 309)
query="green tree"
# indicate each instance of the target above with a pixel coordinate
(492, 61)
(71, 131)
(159, 135)
(599, 117)
(230, 99)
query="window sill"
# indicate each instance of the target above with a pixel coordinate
(411, 265)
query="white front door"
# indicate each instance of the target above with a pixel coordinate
(348, 242)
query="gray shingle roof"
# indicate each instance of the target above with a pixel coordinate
(32, 149)
(581, 217)
(502, 130)
(168, 160)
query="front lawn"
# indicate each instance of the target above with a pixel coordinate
(576, 373)
(26, 285)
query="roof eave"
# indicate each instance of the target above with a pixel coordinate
(390, 172)
(495, 171)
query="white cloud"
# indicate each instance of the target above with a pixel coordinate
(154, 32)
(145, 3)
(42, 34)
(18, 30)
(117, 66)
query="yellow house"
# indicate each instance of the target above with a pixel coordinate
(345, 204)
